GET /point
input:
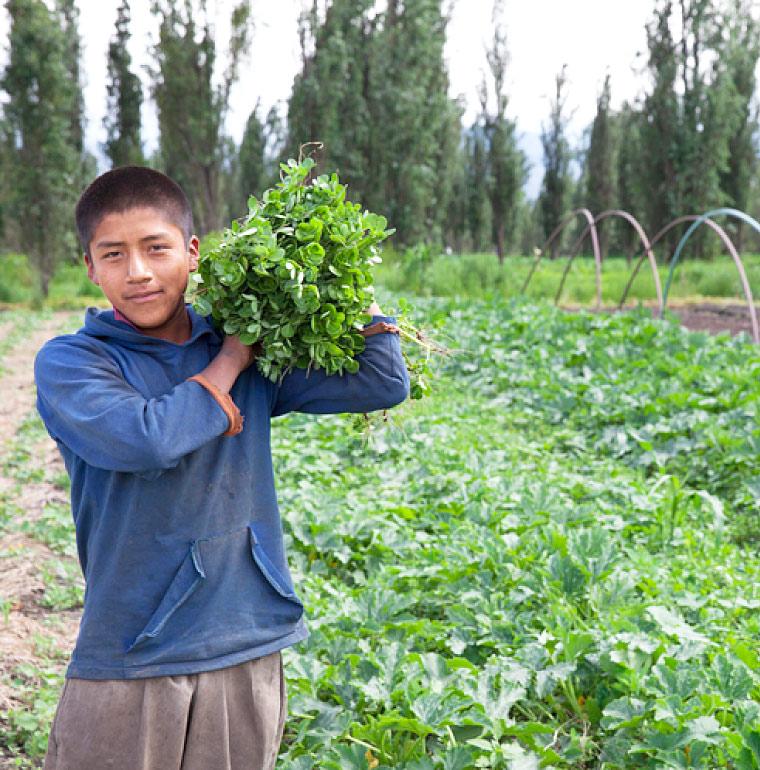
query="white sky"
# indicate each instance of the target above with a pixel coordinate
(591, 36)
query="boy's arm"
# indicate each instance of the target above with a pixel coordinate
(87, 404)
(381, 382)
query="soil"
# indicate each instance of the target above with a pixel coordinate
(714, 317)
(21, 556)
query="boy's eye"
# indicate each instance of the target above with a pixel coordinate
(111, 254)
(159, 247)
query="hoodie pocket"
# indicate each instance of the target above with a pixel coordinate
(275, 578)
(186, 580)
(228, 595)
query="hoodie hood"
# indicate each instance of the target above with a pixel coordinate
(101, 324)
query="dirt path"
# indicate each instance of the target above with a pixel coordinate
(26, 624)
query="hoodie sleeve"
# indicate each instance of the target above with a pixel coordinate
(86, 403)
(381, 382)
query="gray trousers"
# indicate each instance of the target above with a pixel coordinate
(230, 719)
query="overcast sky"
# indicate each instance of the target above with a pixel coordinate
(592, 37)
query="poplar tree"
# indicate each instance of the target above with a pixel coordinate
(600, 182)
(708, 111)
(68, 14)
(43, 149)
(330, 101)
(415, 124)
(660, 150)
(740, 56)
(191, 109)
(507, 165)
(456, 227)
(122, 121)
(374, 88)
(630, 196)
(477, 201)
(251, 161)
(556, 184)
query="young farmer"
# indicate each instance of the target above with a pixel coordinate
(164, 428)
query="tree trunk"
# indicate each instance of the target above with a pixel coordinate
(500, 242)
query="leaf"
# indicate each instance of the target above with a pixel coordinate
(674, 625)
(732, 678)
(705, 729)
(202, 306)
(520, 759)
(458, 758)
(623, 712)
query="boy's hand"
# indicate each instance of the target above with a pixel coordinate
(380, 327)
(242, 355)
(229, 362)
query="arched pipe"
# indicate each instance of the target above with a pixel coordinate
(719, 231)
(589, 217)
(646, 246)
(737, 260)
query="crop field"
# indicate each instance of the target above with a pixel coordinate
(551, 562)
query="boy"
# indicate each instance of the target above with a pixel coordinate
(164, 426)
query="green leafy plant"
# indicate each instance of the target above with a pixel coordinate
(295, 275)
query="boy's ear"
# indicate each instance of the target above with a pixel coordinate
(193, 249)
(91, 269)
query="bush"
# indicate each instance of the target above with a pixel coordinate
(19, 282)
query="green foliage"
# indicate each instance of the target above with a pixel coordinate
(546, 567)
(295, 274)
(555, 187)
(43, 152)
(25, 729)
(68, 17)
(191, 107)
(600, 163)
(251, 165)
(740, 59)
(122, 121)
(426, 272)
(546, 571)
(696, 126)
(385, 71)
(507, 165)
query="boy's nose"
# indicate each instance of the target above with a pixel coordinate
(138, 269)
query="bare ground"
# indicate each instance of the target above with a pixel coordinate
(714, 316)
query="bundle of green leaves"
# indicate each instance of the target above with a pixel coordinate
(295, 274)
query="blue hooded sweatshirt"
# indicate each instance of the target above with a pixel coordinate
(178, 531)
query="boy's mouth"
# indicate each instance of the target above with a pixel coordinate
(144, 296)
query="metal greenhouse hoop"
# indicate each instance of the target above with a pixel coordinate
(595, 245)
(737, 260)
(646, 246)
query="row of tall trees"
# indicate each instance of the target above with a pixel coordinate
(42, 156)
(373, 88)
(690, 143)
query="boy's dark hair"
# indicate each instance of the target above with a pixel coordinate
(131, 187)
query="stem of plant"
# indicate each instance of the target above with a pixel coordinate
(368, 746)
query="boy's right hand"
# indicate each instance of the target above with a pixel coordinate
(233, 358)
(236, 351)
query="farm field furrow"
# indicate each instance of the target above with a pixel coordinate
(551, 562)
(40, 590)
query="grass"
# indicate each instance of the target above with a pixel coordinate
(69, 289)
(423, 272)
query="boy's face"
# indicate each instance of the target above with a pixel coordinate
(141, 263)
